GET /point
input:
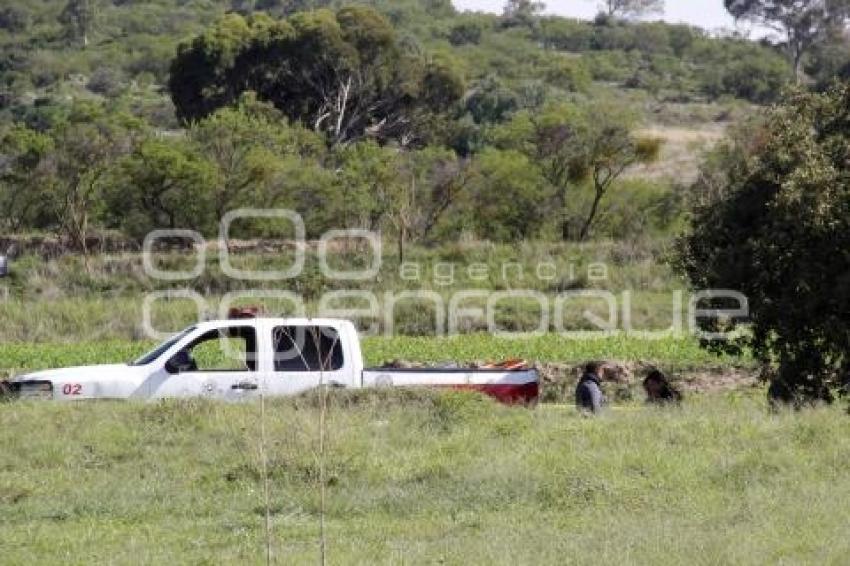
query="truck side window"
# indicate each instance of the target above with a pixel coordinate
(307, 348)
(227, 349)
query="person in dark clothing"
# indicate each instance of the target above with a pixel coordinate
(658, 389)
(589, 389)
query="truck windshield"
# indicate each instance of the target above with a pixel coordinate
(157, 352)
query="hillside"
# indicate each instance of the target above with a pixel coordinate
(124, 50)
(74, 65)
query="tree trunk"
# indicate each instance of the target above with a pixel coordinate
(585, 230)
(798, 65)
(565, 229)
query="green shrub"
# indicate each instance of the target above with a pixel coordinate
(771, 223)
(569, 74)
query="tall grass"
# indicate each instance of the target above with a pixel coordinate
(424, 478)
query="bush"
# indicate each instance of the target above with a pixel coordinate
(468, 32)
(509, 197)
(772, 224)
(566, 35)
(755, 75)
(106, 81)
(14, 18)
(611, 66)
(491, 102)
(639, 208)
(569, 74)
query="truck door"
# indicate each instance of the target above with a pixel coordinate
(219, 364)
(306, 357)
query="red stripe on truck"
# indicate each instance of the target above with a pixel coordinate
(507, 393)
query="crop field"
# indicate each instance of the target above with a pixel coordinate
(420, 478)
(671, 353)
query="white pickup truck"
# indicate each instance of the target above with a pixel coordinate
(243, 358)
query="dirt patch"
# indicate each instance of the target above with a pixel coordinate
(623, 381)
(680, 153)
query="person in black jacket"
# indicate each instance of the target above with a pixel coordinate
(589, 396)
(659, 391)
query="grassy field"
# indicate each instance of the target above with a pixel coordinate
(424, 479)
(66, 300)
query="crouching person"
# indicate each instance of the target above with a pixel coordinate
(659, 391)
(589, 397)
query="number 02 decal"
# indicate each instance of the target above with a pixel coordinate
(72, 389)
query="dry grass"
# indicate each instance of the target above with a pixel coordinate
(681, 152)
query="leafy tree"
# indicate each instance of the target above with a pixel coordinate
(73, 173)
(467, 32)
(803, 23)
(508, 195)
(22, 197)
(161, 184)
(367, 180)
(200, 80)
(750, 74)
(613, 149)
(79, 17)
(278, 7)
(432, 181)
(830, 60)
(15, 18)
(248, 150)
(772, 223)
(522, 13)
(632, 8)
(566, 35)
(574, 146)
(491, 102)
(343, 74)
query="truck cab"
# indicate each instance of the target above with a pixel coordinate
(224, 359)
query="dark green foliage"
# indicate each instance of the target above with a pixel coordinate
(343, 74)
(829, 61)
(509, 196)
(162, 184)
(467, 31)
(199, 74)
(570, 75)
(566, 35)
(78, 17)
(491, 102)
(773, 223)
(744, 73)
(574, 147)
(14, 18)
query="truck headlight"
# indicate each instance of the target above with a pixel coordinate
(32, 389)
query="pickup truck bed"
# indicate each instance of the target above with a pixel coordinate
(508, 386)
